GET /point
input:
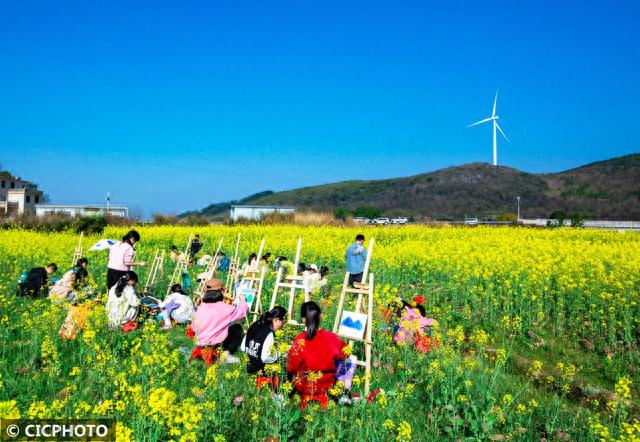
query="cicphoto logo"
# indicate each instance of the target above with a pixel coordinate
(57, 429)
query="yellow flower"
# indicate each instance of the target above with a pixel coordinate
(623, 388)
(9, 410)
(123, 433)
(404, 432)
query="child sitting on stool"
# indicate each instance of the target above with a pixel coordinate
(211, 324)
(258, 344)
(313, 356)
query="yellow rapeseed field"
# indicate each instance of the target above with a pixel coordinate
(539, 337)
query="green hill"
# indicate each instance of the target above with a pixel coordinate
(605, 190)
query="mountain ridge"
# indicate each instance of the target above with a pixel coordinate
(606, 189)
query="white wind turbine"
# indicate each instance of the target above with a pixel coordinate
(493, 118)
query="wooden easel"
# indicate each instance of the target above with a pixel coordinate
(234, 266)
(210, 272)
(292, 282)
(360, 289)
(257, 280)
(181, 265)
(155, 272)
(255, 274)
(77, 253)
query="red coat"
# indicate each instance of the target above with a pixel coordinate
(315, 355)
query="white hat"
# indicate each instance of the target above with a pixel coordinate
(314, 267)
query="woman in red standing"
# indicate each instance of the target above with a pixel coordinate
(313, 356)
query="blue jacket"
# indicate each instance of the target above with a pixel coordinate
(356, 256)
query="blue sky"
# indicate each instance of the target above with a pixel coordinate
(173, 105)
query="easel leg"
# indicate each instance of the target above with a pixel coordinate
(341, 302)
(369, 339)
(292, 295)
(275, 290)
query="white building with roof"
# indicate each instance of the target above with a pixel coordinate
(257, 212)
(80, 210)
(17, 196)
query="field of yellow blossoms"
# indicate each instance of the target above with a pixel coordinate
(539, 332)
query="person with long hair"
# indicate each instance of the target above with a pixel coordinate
(123, 301)
(250, 263)
(313, 356)
(121, 258)
(73, 280)
(258, 344)
(211, 322)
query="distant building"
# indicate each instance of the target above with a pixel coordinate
(256, 212)
(76, 210)
(17, 196)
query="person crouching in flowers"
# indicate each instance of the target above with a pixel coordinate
(177, 306)
(313, 356)
(414, 327)
(66, 288)
(258, 344)
(211, 324)
(123, 302)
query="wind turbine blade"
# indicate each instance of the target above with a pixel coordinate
(480, 122)
(503, 134)
(495, 101)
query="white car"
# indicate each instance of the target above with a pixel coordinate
(399, 220)
(381, 220)
(360, 220)
(471, 221)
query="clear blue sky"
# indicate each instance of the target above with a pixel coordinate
(173, 105)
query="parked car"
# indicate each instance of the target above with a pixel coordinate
(360, 220)
(471, 221)
(399, 220)
(370, 221)
(381, 220)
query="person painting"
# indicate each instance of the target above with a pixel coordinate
(177, 307)
(258, 344)
(313, 356)
(249, 265)
(32, 283)
(266, 260)
(73, 280)
(121, 258)
(356, 256)
(211, 323)
(123, 301)
(224, 262)
(196, 246)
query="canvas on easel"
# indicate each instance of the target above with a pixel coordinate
(356, 325)
(233, 271)
(156, 272)
(181, 266)
(293, 282)
(208, 273)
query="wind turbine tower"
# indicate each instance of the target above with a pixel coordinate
(496, 127)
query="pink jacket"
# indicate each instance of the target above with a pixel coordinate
(411, 322)
(211, 321)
